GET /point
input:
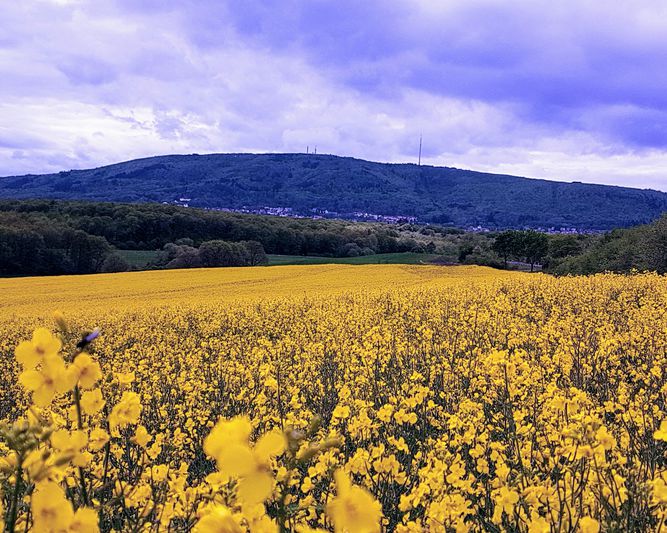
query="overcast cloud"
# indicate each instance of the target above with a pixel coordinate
(569, 90)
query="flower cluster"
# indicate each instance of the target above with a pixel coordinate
(524, 403)
(52, 464)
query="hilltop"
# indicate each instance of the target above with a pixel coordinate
(343, 187)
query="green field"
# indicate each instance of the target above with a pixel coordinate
(407, 258)
(139, 259)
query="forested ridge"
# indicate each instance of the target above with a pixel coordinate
(346, 187)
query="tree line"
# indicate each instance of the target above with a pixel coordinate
(44, 237)
(32, 248)
(152, 226)
(551, 252)
(528, 246)
(641, 248)
(212, 254)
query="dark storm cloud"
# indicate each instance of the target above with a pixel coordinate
(554, 60)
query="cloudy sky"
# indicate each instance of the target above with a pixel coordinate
(568, 90)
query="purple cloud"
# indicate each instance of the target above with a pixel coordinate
(568, 90)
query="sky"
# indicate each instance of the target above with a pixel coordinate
(574, 90)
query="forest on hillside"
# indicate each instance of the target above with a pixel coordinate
(344, 187)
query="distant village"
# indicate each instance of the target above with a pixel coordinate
(360, 216)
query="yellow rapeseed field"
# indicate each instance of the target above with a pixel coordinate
(37, 297)
(334, 398)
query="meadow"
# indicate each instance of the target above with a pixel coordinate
(334, 398)
(142, 258)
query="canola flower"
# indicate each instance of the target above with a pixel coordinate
(508, 403)
(353, 509)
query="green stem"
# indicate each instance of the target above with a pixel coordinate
(11, 523)
(82, 478)
(77, 401)
(107, 451)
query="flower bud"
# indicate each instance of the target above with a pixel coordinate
(59, 318)
(307, 453)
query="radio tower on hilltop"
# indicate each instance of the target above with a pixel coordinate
(419, 161)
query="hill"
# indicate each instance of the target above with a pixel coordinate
(344, 187)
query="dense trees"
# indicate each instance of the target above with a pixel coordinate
(55, 237)
(151, 226)
(505, 245)
(42, 248)
(44, 238)
(39, 237)
(114, 262)
(622, 250)
(654, 252)
(529, 246)
(216, 254)
(642, 248)
(533, 246)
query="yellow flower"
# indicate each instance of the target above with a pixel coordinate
(141, 436)
(124, 379)
(538, 525)
(353, 510)
(661, 434)
(45, 383)
(228, 444)
(263, 524)
(127, 411)
(235, 431)
(92, 402)
(51, 511)
(71, 444)
(85, 521)
(341, 411)
(584, 452)
(85, 371)
(589, 525)
(219, 519)
(98, 438)
(307, 485)
(385, 412)
(254, 466)
(659, 493)
(43, 344)
(606, 439)
(38, 465)
(159, 473)
(363, 347)
(506, 499)
(271, 383)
